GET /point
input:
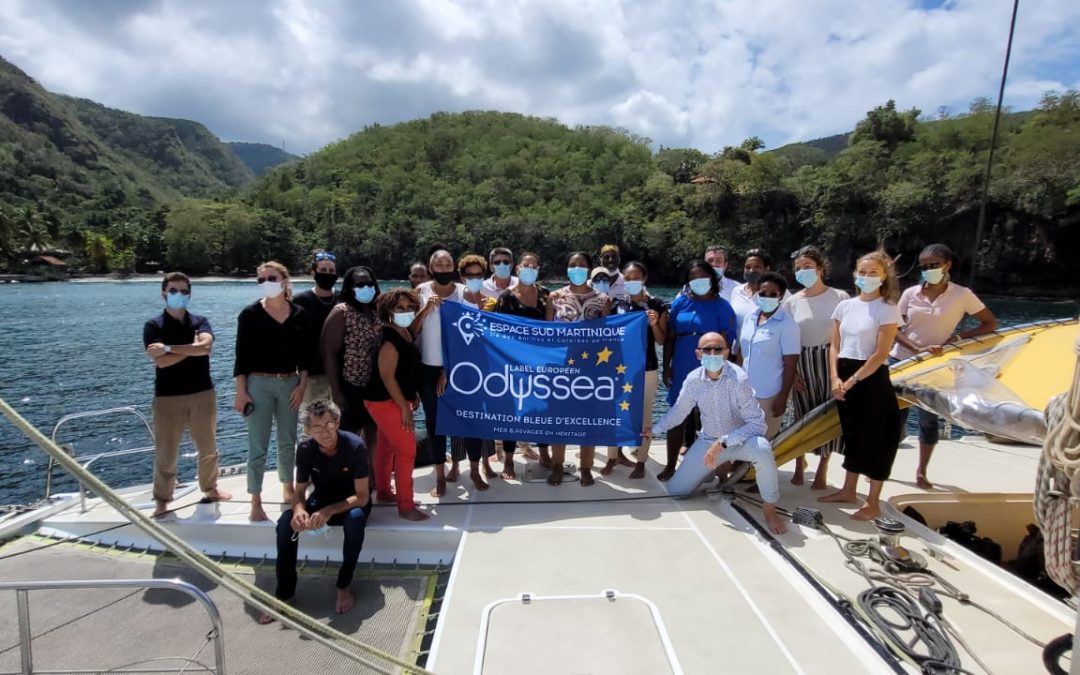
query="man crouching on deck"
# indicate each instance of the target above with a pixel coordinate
(732, 426)
(336, 462)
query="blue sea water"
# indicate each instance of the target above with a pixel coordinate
(70, 347)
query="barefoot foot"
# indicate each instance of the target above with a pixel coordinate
(529, 453)
(440, 488)
(624, 460)
(798, 479)
(488, 471)
(161, 510)
(477, 480)
(839, 497)
(639, 471)
(867, 512)
(586, 477)
(508, 472)
(257, 514)
(556, 476)
(609, 467)
(217, 495)
(920, 480)
(344, 600)
(452, 474)
(819, 483)
(666, 474)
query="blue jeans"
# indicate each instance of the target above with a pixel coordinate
(429, 399)
(352, 523)
(755, 450)
(270, 397)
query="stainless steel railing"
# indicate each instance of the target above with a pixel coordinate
(22, 590)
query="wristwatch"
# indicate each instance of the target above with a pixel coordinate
(168, 349)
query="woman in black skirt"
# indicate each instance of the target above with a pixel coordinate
(864, 328)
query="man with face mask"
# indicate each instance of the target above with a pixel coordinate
(179, 343)
(501, 264)
(732, 427)
(317, 303)
(717, 258)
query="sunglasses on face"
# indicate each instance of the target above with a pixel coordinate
(323, 255)
(181, 291)
(364, 284)
(270, 277)
(931, 266)
(502, 262)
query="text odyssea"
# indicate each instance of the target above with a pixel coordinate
(468, 378)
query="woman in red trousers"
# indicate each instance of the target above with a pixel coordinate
(391, 399)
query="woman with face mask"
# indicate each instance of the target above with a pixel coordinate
(575, 302)
(527, 299)
(637, 299)
(350, 340)
(864, 328)
(472, 269)
(317, 303)
(273, 353)
(812, 309)
(932, 312)
(443, 286)
(695, 312)
(769, 343)
(743, 298)
(392, 398)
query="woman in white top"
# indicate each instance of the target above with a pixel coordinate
(443, 286)
(932, 312)
(812, 308)
(864, 328)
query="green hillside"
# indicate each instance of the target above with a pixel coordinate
(89, 179)
(260, 157)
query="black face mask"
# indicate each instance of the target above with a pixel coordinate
(325, 280)
(444, 278)
(752, 277)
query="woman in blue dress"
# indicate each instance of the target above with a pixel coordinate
(696, 311)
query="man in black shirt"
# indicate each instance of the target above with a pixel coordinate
(317, 304)
(179, 343)
(336, 463)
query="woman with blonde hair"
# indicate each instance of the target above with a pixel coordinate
(271, 370)
(864, 328)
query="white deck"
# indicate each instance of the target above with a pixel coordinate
(728, 602)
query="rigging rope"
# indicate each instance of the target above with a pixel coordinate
(1056, 487)
(323, 634)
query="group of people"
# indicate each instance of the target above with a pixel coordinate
(356, 365)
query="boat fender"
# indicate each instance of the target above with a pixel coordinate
(1054, 651)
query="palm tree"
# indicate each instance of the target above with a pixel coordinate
(32, 230)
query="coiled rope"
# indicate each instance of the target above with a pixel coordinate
(323, 634)
(1056, 487)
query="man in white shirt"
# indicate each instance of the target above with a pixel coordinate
(732, 427)
(501, 263)
(716, 256)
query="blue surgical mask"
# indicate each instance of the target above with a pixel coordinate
(404, 319)
(577, 275)
(528, 275)
(807, 277)
(713, 363)
(474, 285)
(502, 270)
(364, 294)
(933, 276)
(634, 287)
(868, 284)
(601, 287)
(767, 305)
(719, 272)
(700, 286)
(177, 300)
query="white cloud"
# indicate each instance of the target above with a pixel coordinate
(688, 73)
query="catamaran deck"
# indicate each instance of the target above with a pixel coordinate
(697, 588)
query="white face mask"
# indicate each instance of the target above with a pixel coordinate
(271, 289)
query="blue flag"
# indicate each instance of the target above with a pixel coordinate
(510, 378)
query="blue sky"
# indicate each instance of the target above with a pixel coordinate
(685, 73)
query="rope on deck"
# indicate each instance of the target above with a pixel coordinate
(1057, 489)
(321, 633)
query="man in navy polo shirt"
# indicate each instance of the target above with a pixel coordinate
(179, 343)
